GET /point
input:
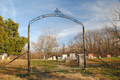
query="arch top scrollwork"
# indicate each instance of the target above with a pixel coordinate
(55, 13)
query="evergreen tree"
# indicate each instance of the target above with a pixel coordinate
(13, 43)
(1, 34)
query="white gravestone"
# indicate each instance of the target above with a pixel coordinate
(54, 57)
(64, 56)
(3, 56)
(44, 57)
(50, 58)
(99, 56)
(72, 56)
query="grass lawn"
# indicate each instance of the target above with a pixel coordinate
(95, 70)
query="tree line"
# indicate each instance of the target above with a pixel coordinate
(98, 42)
(103, 41)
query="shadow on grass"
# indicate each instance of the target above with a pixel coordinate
(86, 72)
(24, 75)
(42, 76)
(32, 76)
(11, 70)
(96, 65)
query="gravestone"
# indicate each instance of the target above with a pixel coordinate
(72, 56)
(99, 56)
(64, 56)
(54, 57)
(44, 57)
(81, 60)
(3, 57)
(109, 56)
(67, 59)
(59, 58)
(50, 58)
(90, 56)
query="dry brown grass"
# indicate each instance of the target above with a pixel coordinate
(16, 71)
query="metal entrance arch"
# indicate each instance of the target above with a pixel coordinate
(55, 13)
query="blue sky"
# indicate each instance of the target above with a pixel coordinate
(90, 12)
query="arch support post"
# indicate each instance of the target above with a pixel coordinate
(29, 48)
(84, 46)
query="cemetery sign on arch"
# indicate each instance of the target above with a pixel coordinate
(55, 13)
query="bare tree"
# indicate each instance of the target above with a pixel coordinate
(47, 41)
(113, 27)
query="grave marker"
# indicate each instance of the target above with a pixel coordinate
(54, 57)
(3, 57)
(81, 60)
(109, 56)
(50, 58)
(44, 57)
(64, 56)
(67, 59)
(99, 56)
(90, 56)
(72, 56)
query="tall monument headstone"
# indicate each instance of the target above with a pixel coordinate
(81, 60)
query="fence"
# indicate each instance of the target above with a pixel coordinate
(43, 63)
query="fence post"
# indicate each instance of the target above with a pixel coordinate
(84, 47)
(29, 48)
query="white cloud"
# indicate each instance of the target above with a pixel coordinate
(94, 12)
(90, 13)
(97, 13)
(70, 31)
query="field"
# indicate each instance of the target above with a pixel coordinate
(48, 70)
